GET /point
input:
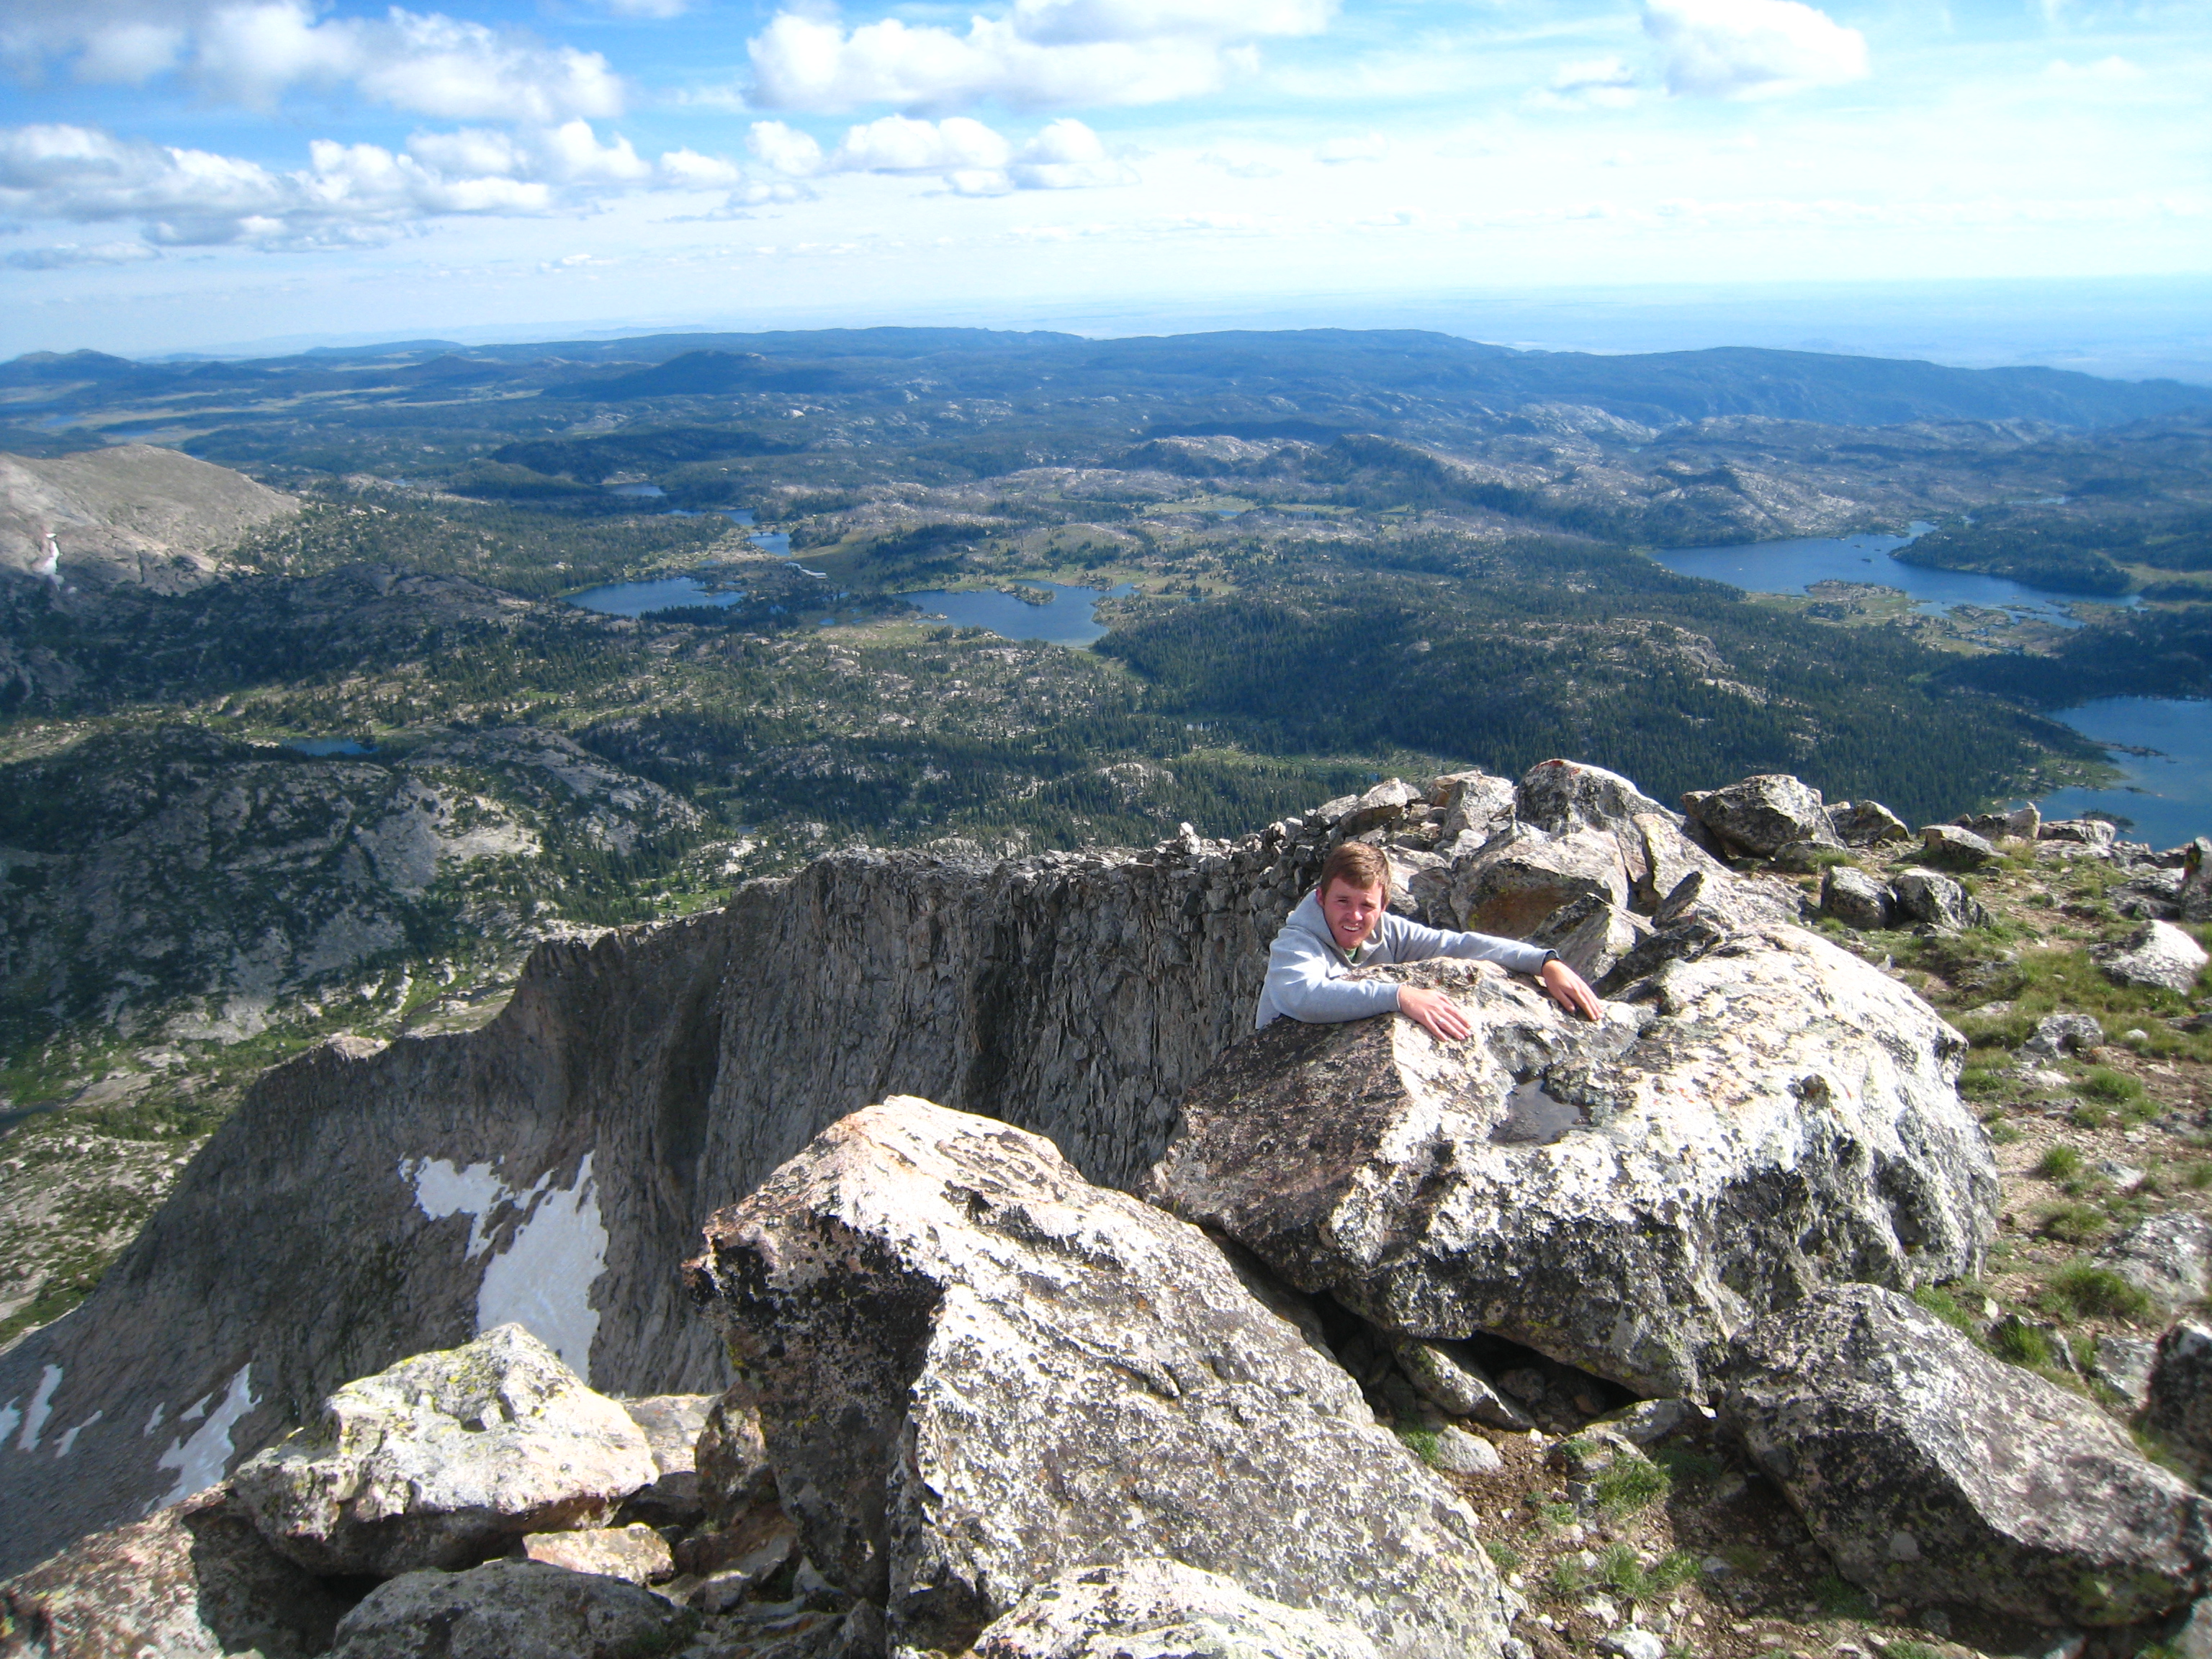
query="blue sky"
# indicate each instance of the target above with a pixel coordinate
(194, 173)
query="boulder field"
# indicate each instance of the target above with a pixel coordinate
(1043, 1308)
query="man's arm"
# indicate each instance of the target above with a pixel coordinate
(1300, 983)
(1409, 941)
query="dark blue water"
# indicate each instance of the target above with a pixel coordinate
(643, 492)
(738, 515)
(332, 746)
(2168, 794)
(1793, 567)
(777, 542)
(1070, 619)
(635, 598)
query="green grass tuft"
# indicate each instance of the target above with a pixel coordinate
(2085, 1290)
(1628, 1484)
(2073, 1223)
(1841, 1598)
(2061, 1163)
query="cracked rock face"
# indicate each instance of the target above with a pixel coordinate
(1933, 1472)
(976, 1372)
(1765, 814)
(445, 1458)
(2157, 954)
(1160, 1609)
(511, 1610)
(1749, 1126)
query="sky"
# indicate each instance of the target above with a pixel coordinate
(206, 174)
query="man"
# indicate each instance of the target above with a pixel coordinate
(1345, 923)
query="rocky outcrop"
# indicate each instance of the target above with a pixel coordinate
(1744, 1128)
(445, 1459)
(1855, 898)
(1947, 845)
(976, 1372)
(2157, 954)
(1161, 1609)
(1866, 823)
(2177, 1398)
(1762, 815)
(194, 1581)
(1932, 1473)
(2167, 1257)
(511, 1610)
(1936, 901)
(136, 514)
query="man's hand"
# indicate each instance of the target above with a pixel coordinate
(1434, 1012)
(1568, 988)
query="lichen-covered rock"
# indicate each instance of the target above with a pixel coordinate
(1475, 804)
(1591, 936)
(2168, 1257)
(1855, 898)
(1524, 874)
(513, 1610)
(2064, 1034)
(445, 1458)
(2178, 1401)
(1758, 1120)
(1937, 901)
(1560, 796)
(193, 1581)
(635, 1552)
(1761, 815)
(2093, 833)
(1954, 849)
(2157, 954)
(1866, 823)
(2020, 823)
(1450, 1376)
(734, 1473)
(976, 1372)
(1386, 802)
(1150, 1608)
(672, 1425)
(1932, 1473)
(2122, 1364)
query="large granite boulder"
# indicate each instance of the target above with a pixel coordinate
(1747, 1126)
(1856, 898)
(672, 1425)
(1151, 1608)
(513, 1610)
(1866, 823)
(976, 1372)
(1933, 1472)
(193, 1581)
(1524, 873)
(2177, 1398)
(1763, 814)
(1936, 901)
(1561, 795)
(1954, 849)
(2158, 954)
(444, 1459)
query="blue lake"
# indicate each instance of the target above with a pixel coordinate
(1072, 618)
(2167, 794)
(635, 598)
(1793, 567)
(332, 746)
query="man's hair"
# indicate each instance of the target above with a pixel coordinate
(1356, 862)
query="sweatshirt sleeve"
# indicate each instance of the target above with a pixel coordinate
(1299, 984)
(1411, 942)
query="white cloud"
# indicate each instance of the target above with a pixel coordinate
(1601, 82)
(972, 158)
(254, 53)
(67, 254)
(1369, 147)
(1751, 48)
(1044, 52)
(347, 194)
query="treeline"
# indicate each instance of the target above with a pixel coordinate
(2075, 551)
(2141, 653)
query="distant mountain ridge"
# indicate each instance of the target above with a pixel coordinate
(1658, 389)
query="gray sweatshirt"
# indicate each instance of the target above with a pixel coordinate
(1306, 970)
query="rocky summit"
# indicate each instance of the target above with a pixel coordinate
(922, 1256)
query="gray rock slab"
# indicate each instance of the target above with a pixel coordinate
(1855, 898)
(2093, 833)
(1591, 936)
(1954, 849)
(1521, 876)
(1474, 803)
(444, 1459)
(670, 1423)
(2167, 1256)
(1761, 815)
(194, 1581)
(1932, 1473)
(635, 1552)
(1458, 1452)
(2122, 1364)
(1561, 796)
(2070, 1034)
(1386, 802)
(2157, 954)
(734, 1472)
(1447, 1375)
(1867, 823)
(976, 1372)
(513, 1610)
(2178, 1401)
(1161, 1609)
(1772, 1114)
(1935, 899)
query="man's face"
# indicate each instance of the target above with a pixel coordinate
(1352, 912)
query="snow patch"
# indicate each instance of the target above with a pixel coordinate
(68, 1439)
(202, 1459)
(153, 1422)
(42, 1407)
(543, 1279)
(441, 1190)
(9, 1416)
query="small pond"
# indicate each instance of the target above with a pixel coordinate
(332, 746)
(1793, 567)
(1070, 618)
(2167, 794)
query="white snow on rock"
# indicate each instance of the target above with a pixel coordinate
(543, 1279)
(69, 1440)
(202, 1459)
(34, 1420)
